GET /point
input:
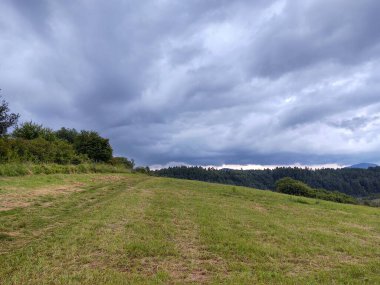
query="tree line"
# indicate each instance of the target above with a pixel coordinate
(354, 182)
(32, 142)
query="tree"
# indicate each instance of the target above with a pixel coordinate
(68, 135)
(7, 119)
(31, 131)
(94, 146)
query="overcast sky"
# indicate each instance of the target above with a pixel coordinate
(201, 81)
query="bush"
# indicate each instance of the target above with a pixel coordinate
(20, 169)
(38, 150)
(144, 170)
(293, 187)
(122, 161)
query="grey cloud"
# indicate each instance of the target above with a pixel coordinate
(312, 32)
(355, 123)
(201, 82)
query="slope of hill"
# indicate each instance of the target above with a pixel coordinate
(363, 165)
(137, 229)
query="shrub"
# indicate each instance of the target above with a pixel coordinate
(38, 150)
(293, 187)
(20, 169)
(141, 169)
(122, 161)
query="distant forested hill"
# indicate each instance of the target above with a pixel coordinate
(363, 165)
(355, 182)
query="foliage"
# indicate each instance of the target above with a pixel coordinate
(32, 142)
(38, 150)
(293, 187)
(141, 169)
(66, 134)
(90, 143)
(31, 131)
(354, 182)
(20, 169)
(372, 200)
(123, 161)
(35, 143)
(7, 119)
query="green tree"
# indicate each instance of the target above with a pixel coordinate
(7, 119)
(31, 131)
(68, 135)
(90, 143)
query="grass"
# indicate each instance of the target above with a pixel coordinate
(136, 229)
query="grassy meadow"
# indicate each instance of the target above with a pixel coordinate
(137, 229)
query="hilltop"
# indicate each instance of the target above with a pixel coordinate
(138, 229)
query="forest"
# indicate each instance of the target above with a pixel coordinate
(354, 182)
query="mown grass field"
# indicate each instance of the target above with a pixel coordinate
(136, 229)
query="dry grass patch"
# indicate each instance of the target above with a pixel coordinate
(193, 264)
(196, 264)
(108, 178)
(296, 266)
(359, 227)
(20, 198)
(259, 208)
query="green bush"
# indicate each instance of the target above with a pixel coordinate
(38, 150)
(122, 161)
(294, 187)
(20, 169)
(140, 169)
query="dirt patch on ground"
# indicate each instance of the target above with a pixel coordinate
(20, 198)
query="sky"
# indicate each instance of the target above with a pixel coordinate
(244, 82)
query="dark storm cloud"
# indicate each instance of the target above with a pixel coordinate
(313, 32)
(201, 82)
